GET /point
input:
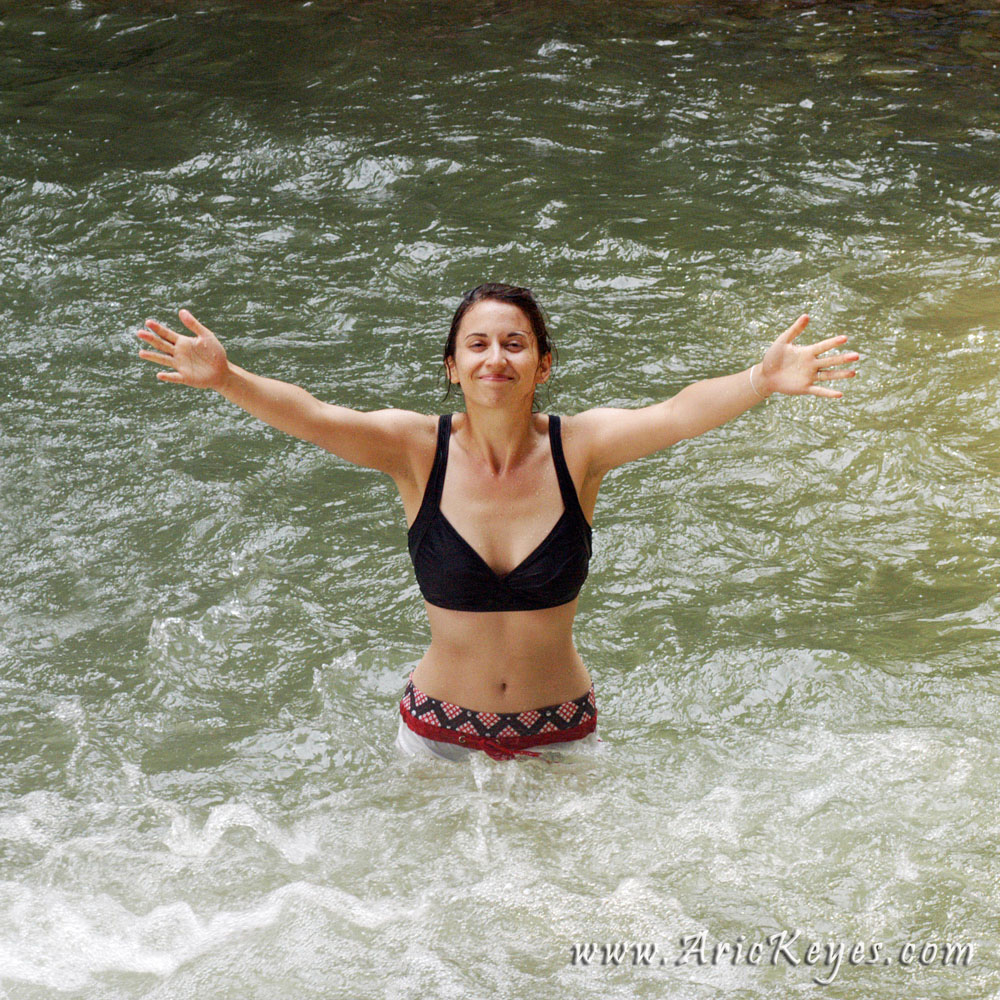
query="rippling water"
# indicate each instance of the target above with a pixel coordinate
(204, 626)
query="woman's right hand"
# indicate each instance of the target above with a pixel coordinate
(198, 361)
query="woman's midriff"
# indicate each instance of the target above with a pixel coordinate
(506, 661)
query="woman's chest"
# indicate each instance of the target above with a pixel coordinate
(503, 518)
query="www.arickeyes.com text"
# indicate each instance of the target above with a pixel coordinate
(780, 947)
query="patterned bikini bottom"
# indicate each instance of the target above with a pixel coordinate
(501, 735)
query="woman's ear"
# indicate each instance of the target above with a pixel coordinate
(544, 369)
(452, 372)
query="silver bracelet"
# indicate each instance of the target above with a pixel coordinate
(752, 386)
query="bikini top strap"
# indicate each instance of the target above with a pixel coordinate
(435, 482)
(566, 485)
(431, 501)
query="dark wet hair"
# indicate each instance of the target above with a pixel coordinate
(523, 298)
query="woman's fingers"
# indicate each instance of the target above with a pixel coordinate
(795, 329)
(797, 370)
(154, 341)
(162, 331)
(828, 345)
(817, 390)
(160, 359)
(839, 359)
(193, 325)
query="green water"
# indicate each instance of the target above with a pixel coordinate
(204, 626)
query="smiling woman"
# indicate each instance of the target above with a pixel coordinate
(499, 500)
(526, 308)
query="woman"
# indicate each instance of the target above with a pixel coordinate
(499, 500)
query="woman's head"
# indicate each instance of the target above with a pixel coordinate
(513, 295)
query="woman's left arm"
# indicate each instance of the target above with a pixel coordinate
(615, 436)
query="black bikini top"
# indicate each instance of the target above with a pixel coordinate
(451, 573)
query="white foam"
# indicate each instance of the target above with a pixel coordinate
(375, 174)
(60, 941)
(40, 812)
(551, 48)
(186, 840)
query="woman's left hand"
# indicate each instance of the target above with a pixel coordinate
(796, 371)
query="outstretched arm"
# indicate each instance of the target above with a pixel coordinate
(614, 437)
(380, 440)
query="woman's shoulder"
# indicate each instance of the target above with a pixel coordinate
(408, 424)
(580, 426)
(582, 436)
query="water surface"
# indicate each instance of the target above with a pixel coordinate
(205, 626)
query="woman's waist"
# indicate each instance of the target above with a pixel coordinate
(495, 680)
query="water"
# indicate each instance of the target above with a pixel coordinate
(204, 626)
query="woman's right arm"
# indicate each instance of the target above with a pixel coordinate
(385, 439)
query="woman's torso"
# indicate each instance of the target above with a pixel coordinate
(496, 533)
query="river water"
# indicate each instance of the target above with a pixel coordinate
(792, 622)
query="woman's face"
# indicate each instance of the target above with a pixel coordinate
(496, 354)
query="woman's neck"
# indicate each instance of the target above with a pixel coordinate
(500, 438)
